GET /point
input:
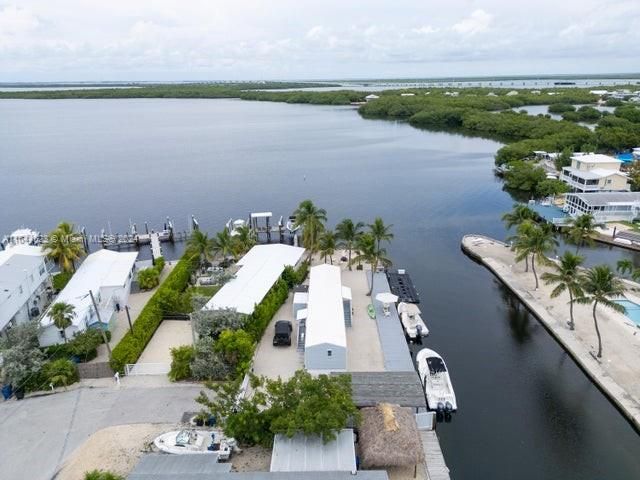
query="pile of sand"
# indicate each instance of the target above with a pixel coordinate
(116, 449)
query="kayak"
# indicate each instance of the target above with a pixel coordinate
(371, 310)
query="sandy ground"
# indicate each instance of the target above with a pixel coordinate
(116, 449)
(619, 368)
(251, 459)
(136, 302)
(170, 333)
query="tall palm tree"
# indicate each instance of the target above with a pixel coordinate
(601, 286)
(582, 230)
(64, 246)
(368, 252)
(62, 315)
(244, 239)
(348, 232)
(539, 241)
(380, 231)
(520, 213)
(202, 245)
(327, 245)
(311, 219)
(520, 241)
(223, 244)
(566, 276)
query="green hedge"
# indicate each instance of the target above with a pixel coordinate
(169, 298)
(60, 280)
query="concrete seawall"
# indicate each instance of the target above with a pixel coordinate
(617, 374)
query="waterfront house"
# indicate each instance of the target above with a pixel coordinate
(255, 274)
(325, 339)
(593, 172)
(108, 275)
(25, 285)
(604, 206)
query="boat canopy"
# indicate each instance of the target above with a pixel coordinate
(436, 365)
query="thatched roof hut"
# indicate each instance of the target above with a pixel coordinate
(389, 437)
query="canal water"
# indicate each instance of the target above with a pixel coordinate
(526, 410)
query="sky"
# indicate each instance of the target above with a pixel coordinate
(118, 40)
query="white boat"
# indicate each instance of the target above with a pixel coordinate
(234, 225)
(190, 441)
(437, 383)
(22, 236)
(411, 320)
(291, 224)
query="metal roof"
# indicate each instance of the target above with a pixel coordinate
(260, 268)
(308, 453)
(603, 198)
(160, 463)
(325, 319)
(400, 388)
(595, 158)
(361, 475)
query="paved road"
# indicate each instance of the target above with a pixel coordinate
(37, 434)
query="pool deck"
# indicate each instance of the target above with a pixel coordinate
(618, 371)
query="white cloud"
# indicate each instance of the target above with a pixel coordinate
(477, 22)
(425, 30)
(14, 20)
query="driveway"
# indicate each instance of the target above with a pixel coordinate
(38, 434)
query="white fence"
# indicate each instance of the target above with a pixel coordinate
(132, 369)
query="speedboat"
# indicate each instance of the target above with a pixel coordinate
(189, 441)
(22, 236)
(292, 227)
(412, 322)
(234, 225)
(437, 383)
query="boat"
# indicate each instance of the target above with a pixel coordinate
(22, 236)
(234, 225)
(291, 224)
(190, 441)
(636, 153)
(412, 322)
(371, 311)
(436, 381)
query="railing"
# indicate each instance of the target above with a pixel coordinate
(133, 369)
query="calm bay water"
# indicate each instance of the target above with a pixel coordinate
(526, 410)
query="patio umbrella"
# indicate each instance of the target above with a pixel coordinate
(387, 297)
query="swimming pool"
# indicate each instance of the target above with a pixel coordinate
(632, 310)
(625, 157)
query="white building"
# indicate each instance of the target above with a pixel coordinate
(24, 285)
(258, 271)
(325, 339)
(604, 206)
(105, 273)
(594, 172)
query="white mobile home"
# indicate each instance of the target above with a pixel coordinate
(105, 273)
(325, 348)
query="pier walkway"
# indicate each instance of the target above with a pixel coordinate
(434, 460)
(156, 249)
(617, 372)
(395, 351)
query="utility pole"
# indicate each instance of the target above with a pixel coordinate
(104, 336)
(126, 309)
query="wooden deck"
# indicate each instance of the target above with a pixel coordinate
(436, 467)
(156, 250)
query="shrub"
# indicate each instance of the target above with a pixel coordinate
(181, 358)
(60, 373)
(148, 278)
(60, 280)
(266, 309)
(158, 264)
(85, 345)
(236, 347)
(561, 108)
(210, 323)
(102, 475)
(208, 364)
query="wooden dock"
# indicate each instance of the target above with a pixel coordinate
(436, 467)
(156, 249)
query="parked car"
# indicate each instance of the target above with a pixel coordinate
(283, 333)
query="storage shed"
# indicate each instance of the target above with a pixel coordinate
(325, 335)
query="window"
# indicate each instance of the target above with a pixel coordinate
(329, 353)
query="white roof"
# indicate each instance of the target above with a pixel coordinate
(372, 96)
(301, 297)
(260, 268)
(261, 214)
(103, 268)
(308, 453)
(325, 321)
(346, 293)
(595, 158)
(15, 264)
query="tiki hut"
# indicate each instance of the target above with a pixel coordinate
(389, 437)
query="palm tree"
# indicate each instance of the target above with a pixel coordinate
(520, 214)
(368, 252)
(626, 266)
(538, 241)
(582, 230)
(64, 246)
(348, 233)
(520, 241)
(601, 286)
(62, 314)
(566, 276)
(327, 245)
(380, 231)
(223, 244)
(202, 245)
(311, 219)
(244, 239)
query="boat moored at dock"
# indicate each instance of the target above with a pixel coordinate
(436, 381)
(414, 326)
